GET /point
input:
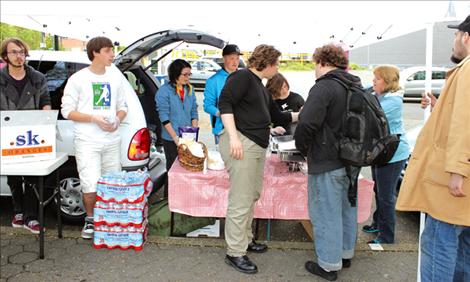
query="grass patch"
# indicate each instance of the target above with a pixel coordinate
(296, 66)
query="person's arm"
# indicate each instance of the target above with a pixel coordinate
(44, 95)
(236, 148)
(172, 133)
(121, 105)
(194, 113)
(210, 97)
(234, 90)
(457, 161)
(162, 100)
(428, 99)
(311, 118)
(69, 108)
(279, 117)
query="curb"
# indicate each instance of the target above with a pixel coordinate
(361, 245)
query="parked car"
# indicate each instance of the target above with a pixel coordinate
(201, 70)
(220, 61)
(58, 66)
(413, 81)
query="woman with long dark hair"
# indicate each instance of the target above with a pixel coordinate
(176, 106)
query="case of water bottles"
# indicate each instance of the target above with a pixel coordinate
(120, 212)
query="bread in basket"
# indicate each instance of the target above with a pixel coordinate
(188, 160)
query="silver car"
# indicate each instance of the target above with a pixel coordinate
(201, 70)
(413, 81)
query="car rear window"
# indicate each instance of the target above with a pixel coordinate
(57, 74)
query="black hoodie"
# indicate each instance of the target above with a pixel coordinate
(320, 121)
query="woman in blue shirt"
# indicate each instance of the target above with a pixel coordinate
(387, 90)
(176, 106)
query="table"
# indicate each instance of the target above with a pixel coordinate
(40, 169)
(284, 194)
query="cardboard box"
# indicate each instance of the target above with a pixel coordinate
(207, 231)
(28, 136)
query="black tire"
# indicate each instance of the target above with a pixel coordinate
(71, 208)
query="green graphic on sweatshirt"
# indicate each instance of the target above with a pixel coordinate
(101, 95)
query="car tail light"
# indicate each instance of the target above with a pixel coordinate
(139, 147)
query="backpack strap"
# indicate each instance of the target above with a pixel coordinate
(353, 174)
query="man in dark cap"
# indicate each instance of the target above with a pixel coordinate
(437, 180)
(231, 54)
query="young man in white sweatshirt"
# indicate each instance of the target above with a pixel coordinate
(94, 98)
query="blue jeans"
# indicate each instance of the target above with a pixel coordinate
(333, 219)
(385, 182)
(445, 252)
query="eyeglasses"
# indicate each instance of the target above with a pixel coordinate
(17, 53)
(186, 74)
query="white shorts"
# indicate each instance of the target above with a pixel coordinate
(94, 160)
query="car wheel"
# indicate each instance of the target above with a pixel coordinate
(71, 201)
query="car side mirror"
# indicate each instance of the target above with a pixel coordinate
(211, 69)
(410, 78)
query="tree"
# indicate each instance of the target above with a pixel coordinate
(31, 37)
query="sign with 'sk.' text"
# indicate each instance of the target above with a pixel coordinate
(28, 136)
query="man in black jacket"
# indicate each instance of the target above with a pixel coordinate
(333, 218)
(23, 88)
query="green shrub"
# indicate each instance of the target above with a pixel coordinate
(296, 66)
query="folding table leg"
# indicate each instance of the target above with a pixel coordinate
(59, 218)
(172, 222)
(268, 231)
(41, 217)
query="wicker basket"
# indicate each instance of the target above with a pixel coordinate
(188, 160)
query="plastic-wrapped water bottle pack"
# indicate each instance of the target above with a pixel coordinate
(120, 213)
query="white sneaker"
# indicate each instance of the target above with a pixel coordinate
(88, 230)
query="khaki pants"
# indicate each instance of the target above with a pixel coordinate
(246, 184)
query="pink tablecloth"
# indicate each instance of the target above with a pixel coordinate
(284, 193)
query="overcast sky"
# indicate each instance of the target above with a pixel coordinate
(246, 23)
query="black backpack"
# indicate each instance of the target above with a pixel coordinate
(365, 135)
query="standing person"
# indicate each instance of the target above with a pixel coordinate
(246, 109)
(437, 179)
(231, 55)
(333, 218)
(23, 88)
(285, 99)
(387, 90)
(94, 99)
(176, 106)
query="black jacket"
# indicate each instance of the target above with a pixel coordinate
(320, 121)
(35, 93)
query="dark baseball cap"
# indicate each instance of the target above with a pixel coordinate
(231, 49)
(463, 26)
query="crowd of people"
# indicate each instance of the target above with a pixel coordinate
(244, 113)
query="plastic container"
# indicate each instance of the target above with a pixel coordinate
(120, 238)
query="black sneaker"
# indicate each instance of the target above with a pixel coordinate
(315, 269)
(88, 229)
(346, 263)
(370, 228)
